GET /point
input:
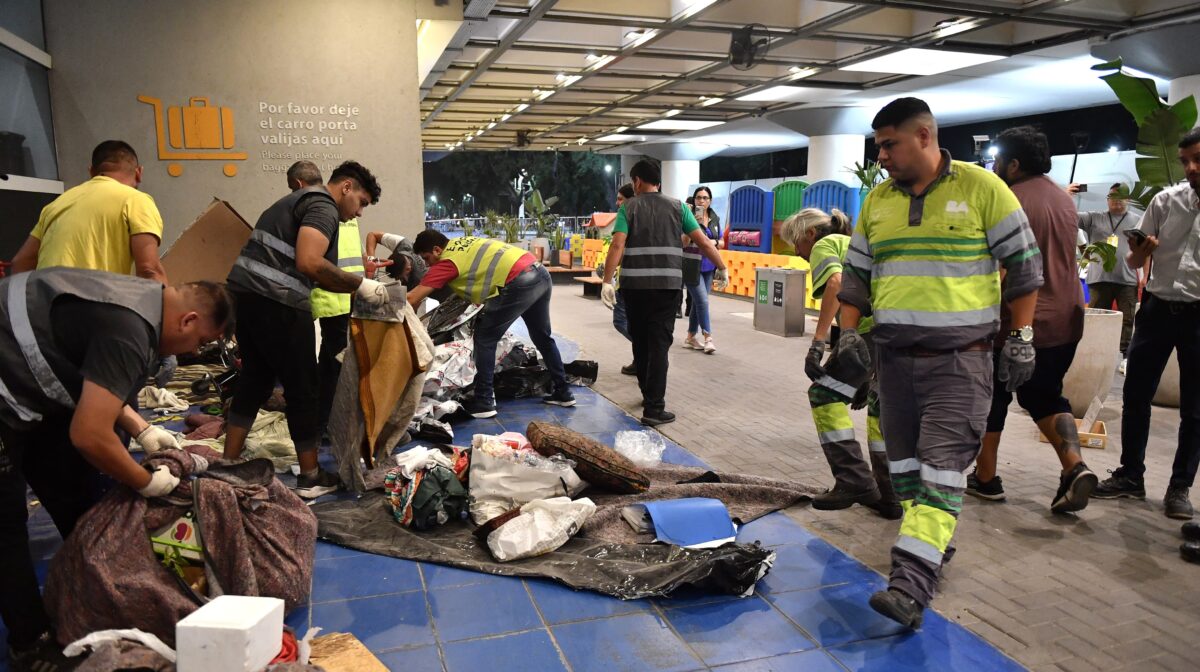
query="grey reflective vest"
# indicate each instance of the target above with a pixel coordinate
(267, 263)
(653, 254)
(36, 379)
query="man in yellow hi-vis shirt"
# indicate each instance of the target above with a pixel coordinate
(510, 283)
(924, 260)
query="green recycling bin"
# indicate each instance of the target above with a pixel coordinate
(779, 301)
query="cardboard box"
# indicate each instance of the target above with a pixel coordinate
(207, 249)
(1096, 438)
(342, 652)
(232, 633)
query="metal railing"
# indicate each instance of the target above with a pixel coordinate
(475, 225)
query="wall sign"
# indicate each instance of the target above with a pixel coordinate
(197, 131)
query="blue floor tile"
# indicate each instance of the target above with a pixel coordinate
(438, 577)
(328, 551)
(813, 564)
(420, 659)
(513, 653)
(940, 645)
(363, 575)
(482, 609)
(385, 622)
(730, 632)
(837, 615)
(808, 661)
(465, 429)
(691, 597)
(774, 529)
(560, 604)
(676, 455)
(635, 643)
(298, 620)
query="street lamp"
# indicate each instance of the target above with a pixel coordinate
(608, 167)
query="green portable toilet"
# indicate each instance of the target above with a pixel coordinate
(789, 197)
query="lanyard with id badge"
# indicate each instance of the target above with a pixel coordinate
(1112, 238)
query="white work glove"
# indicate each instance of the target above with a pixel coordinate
(608, 295)
(391, 241)
(162, 482)
(199, 464)
(720, 279)
(372, 292)
(153, 439)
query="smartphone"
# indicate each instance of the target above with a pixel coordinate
(1135, 236)
(1082, 189)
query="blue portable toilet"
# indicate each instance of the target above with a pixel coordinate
(751, 214)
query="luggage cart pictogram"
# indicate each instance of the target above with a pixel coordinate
(203, 131)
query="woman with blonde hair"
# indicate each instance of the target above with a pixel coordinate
(823, 240)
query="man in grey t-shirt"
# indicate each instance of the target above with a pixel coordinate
(1119, 284)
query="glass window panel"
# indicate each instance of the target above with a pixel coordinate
(23, 18)
(26, 130)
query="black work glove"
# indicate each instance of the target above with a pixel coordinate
(1016, 363)
(853, 358)
(860, 397)
(812, 363)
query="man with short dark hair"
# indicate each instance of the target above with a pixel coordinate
(104, 224)
(510, 283)
(924, 261)
(74, 344)
(292, 250)
(1022, 162)
(1169, 319)
(303, 174)
(646, 246)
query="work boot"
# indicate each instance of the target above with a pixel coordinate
(44, 656)
(899, 607)
(841, 497)
(992, 490)
(1074, 488)
(630, 370)
(656, 419)
(1190, 551)
(888, 509)
(480, 408)
(321, 483)
(1120, 486)
(1191, 531)
(561, 397)
(1177, 504)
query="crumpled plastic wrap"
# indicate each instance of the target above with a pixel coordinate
(543, 526)
(645, 449)
(502, 478)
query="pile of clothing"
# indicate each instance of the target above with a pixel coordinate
(428, 488)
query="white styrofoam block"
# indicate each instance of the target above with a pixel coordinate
(229, 634)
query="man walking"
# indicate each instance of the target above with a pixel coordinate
(1169, 319)
(646, 246)
(1121, 283)
(510, 283)
(1022, 162)
(924, 261)
(292, 250)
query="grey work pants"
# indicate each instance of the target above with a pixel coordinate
(933, 410)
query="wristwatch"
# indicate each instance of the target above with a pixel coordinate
(1025, 333)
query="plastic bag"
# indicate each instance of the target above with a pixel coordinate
(502, 478)
(543, 526)
(644, 449)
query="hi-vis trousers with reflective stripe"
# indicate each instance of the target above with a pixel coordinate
(835, 431)
(934, 408)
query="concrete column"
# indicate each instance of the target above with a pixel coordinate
(678, 176)
(627, 161)
(1182, 87)
(830, 157)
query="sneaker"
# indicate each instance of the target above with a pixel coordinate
(44, 656)
(899, 607)
(690, 343)
(630, 370)
(660, 418)
(1074, 488)
(561, 397)
(992, 490)
(479, 408)
(311, 487)
(1120, 486)
(840, 497)
(1177, 504)
(709, 348)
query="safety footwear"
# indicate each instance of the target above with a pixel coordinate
(1120, 486)
(840, 497)
(323, 483)
(630, 370)
(1191, 531)
(888, 509)
(1074, 488)
(561, 397)
(44, 656)
(1190, 551)
(656, 419)
(690, 343)
(480, 408)
(1177, 504)
(992, 490)
(709, 347)
(899, 607)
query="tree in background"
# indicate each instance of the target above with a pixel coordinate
(577, 178)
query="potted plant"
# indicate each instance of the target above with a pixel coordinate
(559, 239)
(1091, 373)
(492, 227)
(539, 209)
(869, 174)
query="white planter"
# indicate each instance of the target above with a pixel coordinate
(1095, 364)
(1168, 385)
(543, 243)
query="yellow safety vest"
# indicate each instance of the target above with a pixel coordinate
(349, 247)
(483, 266)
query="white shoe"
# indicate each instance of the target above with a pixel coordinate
(709, 348)
(690, 343)
(1121, 368)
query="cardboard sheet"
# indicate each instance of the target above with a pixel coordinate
(207, 249)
